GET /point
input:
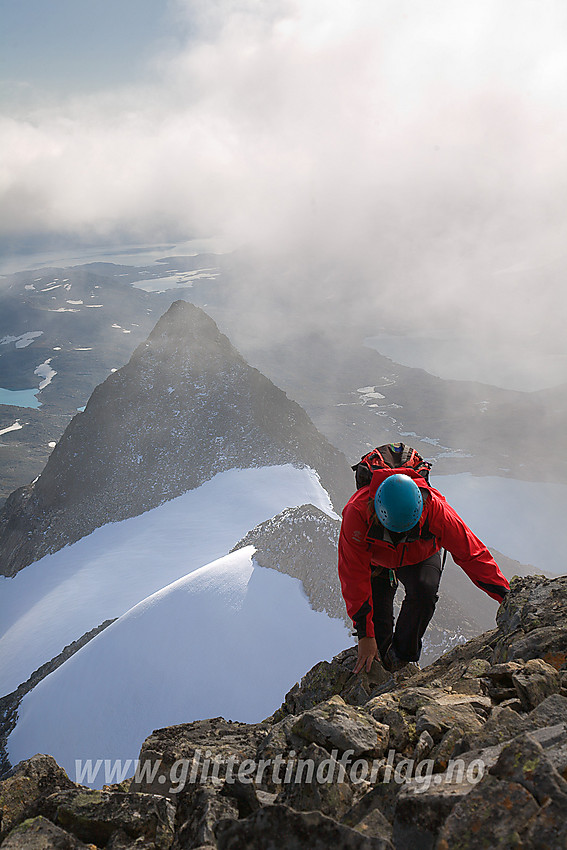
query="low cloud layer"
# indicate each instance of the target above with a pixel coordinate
(418, 148)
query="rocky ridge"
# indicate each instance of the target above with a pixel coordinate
(184, 408)
(10, 703)
(470, 752)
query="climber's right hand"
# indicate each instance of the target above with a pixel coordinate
(367, 652)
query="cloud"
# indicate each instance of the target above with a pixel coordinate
(416, 148)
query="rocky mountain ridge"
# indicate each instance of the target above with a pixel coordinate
(85, 321)
(185, 407)
(468, 753)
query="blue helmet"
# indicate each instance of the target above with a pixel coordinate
(398, 503)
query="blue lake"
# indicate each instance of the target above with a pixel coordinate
(524, 520)
(20, 398)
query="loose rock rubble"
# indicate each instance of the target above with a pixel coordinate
(468, 753)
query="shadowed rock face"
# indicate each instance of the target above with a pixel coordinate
(302, 542)
(184, 408)
(468, 753)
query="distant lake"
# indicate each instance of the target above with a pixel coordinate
(129, 255)
(19, 398)
(524, 520)
(174, 280)
(461, 359)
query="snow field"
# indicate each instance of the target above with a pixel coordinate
(228, 639)
(57, 599)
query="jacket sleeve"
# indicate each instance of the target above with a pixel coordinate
(467, 550)
(354, 571)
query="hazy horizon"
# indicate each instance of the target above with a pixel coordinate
(407, 158)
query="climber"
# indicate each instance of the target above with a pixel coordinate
(393, 529)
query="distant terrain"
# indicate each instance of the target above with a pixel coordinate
(85, 321)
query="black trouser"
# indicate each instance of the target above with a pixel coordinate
(421, 582)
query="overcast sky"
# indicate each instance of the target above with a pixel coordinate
(419, 144)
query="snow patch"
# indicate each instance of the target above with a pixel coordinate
(367, 393)
(23, 340)
(15, 427)
(45, 372)
(60, 597)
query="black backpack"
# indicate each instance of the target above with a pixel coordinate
(389, 456)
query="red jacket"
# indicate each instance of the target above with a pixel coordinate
(439, 527)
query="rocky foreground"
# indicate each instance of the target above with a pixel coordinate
(470, 752)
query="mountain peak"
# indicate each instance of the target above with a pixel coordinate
(185, 407)
(186, 330)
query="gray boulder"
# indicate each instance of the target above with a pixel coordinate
(40, 834)
(439, 719)
(422, 807)
(524, 761)
(95, 816)
(328, 678)
(336, 725)
(180, 753)
(198, 810)
(536, 681)
(386, 710)
(322, 786)
(492, 815)
(375, 825)
(281, 828)
(30, 782)
(532, 621)
(550, 711)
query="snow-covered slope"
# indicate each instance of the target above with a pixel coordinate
(229, 639)
(57, 599)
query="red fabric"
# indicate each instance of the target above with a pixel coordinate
(357, 554)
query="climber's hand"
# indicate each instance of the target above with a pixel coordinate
(367, 652)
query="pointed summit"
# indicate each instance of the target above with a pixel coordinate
(184, 408)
